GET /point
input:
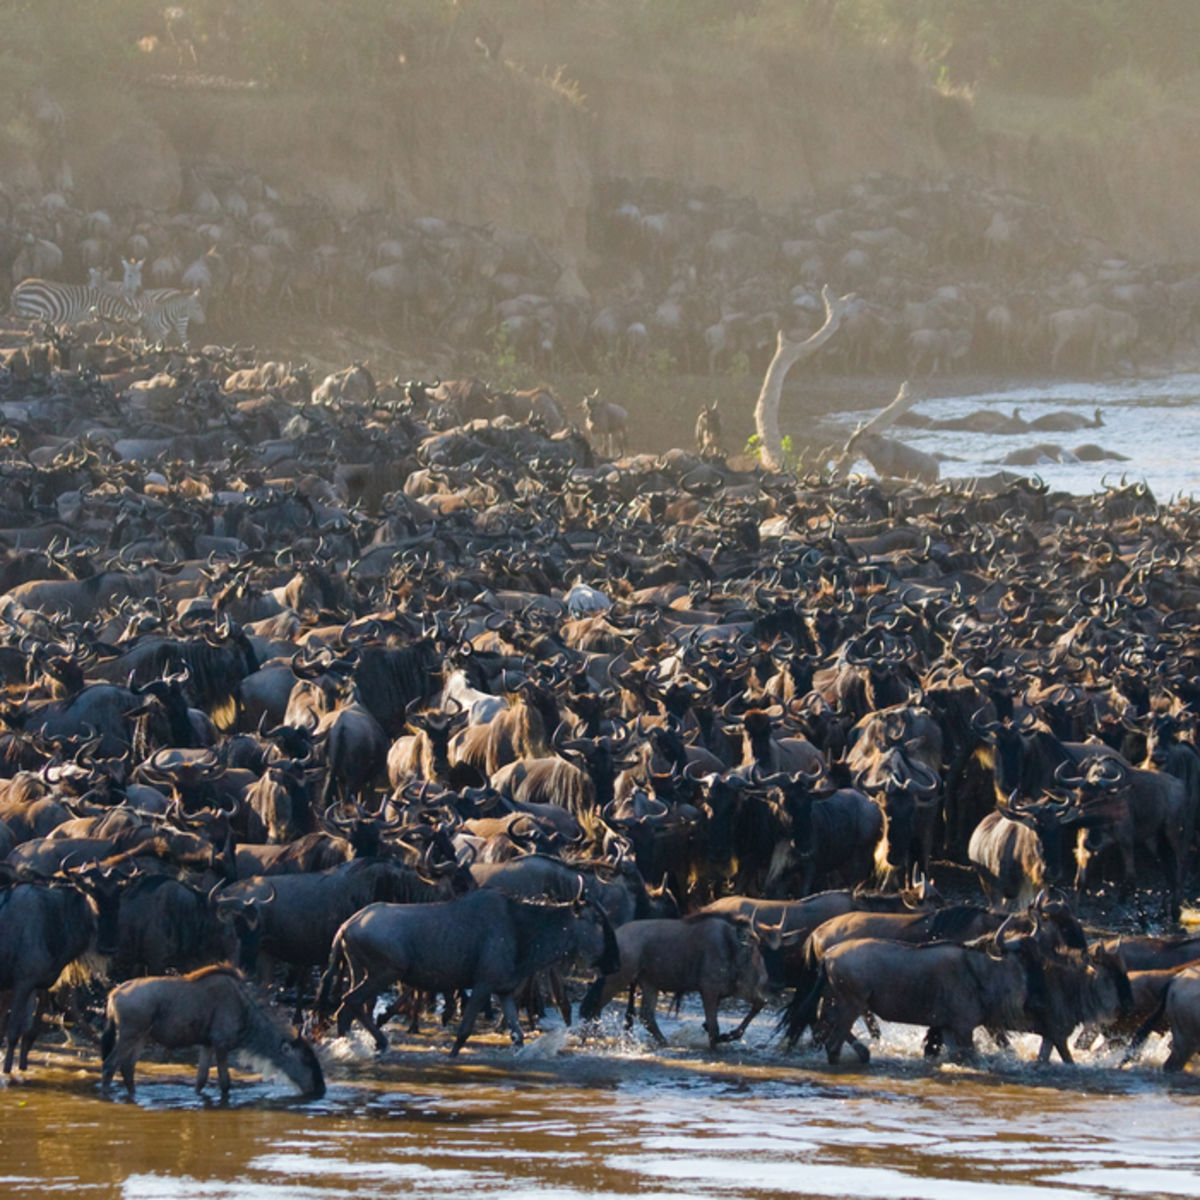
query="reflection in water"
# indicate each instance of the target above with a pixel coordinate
(611, 1119)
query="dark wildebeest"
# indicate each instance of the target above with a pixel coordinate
(796, 919)
(1181, 1005)
(954, 989)
(957, 923)
(213, 1008)
(484, 942)
(294, 918)
(703, 953)
(43, 928)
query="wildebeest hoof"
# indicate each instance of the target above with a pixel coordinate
(864, 1055)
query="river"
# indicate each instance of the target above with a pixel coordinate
(1154, 423)
(562, 1120)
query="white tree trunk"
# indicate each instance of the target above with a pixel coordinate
(787, 353)
(877, 424)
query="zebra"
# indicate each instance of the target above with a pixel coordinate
(160, 311)
(166, 311)
(59, 303)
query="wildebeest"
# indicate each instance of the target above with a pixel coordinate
(213, 1008)
(705, 953)
(954, 989)
(294, 918)
(937, 984)
(1180, 1003)
(1017, 851)
(43, 928)
(796, 919)
(485, 942)
(893, 459)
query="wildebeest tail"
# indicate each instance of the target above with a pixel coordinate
(330, 979)
(108, 1039)
(801, 1013)
(610, 957)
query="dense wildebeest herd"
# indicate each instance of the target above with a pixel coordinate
(394, 689)
(950, 273)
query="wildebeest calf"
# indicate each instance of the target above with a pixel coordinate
(213, 1008)
(704, 953)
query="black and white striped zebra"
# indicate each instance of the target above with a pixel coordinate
(163, 312)
(59, 303)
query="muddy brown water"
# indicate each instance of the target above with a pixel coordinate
(613, 1117)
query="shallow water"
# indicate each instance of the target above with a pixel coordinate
(1155, 423)
(614, 1118)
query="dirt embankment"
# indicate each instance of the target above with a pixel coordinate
(520, 141)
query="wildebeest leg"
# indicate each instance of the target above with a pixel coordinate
(32, 1029)
(222, 1053)
(841, 1033)
(710, 1000)
(872, 1024)
(735, 1035)
(20, 1012)
(629, 1007)
(1054, 1043)
(1181, 1051)
(480, 995)
(648, 1014)
(934, 1041)
(360, 1002)
(508, 1006)
(406, 1001)
(961, 1043)
(124, 1055)
(864, 1055)
(202, 1068)
(558, 991)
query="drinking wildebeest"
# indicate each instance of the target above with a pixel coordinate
(213, 1008)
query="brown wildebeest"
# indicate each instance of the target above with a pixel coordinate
(213, 1008)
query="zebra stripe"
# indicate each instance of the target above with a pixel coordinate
(166, 311)
(68, 303)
